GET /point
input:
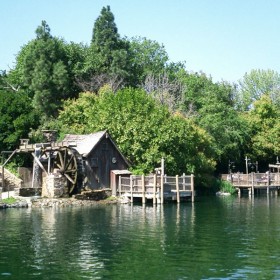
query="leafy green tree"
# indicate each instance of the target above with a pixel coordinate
(257, 83)
(42, 70)
(105, 32)
(144, 130)
(16, 118)
(147, 58)
(264, 126)
(108, 53)
(211, 105)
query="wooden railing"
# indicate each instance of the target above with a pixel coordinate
(157, 187)
(240, 180)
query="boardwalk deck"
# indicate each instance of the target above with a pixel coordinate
(253, 181)
(157, 188)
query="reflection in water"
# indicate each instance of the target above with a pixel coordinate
(218, 238)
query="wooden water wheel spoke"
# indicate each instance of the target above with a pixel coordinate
(59, 166)
(66, 164)
(61, 160)
(69, 178)
(70, 161)
(70, 171)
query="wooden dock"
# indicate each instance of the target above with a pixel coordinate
(254, 182)
(157, 188)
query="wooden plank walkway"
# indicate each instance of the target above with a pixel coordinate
(253, 181)
(157, 188)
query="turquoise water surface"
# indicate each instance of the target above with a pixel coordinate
(214, 238)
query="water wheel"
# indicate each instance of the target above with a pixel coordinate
(66, 163)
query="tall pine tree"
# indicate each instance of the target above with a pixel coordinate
(42, 66)
(108, 54)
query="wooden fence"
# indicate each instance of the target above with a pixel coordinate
(253, 180)
(158, 188)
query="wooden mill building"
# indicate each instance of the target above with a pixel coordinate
(78, 163)
(98, 156)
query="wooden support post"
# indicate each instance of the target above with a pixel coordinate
(131, 189)
(161, 189)
(268, 182)
(192, 186)
(12, 154)
(143, 190)
(49, 163)
(177, 189)
(238, 178)
(253, 187)
(155, 188)
(239, 192)
(39, 163)
(3, 178)
(120, 186)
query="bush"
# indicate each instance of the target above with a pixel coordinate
(225, 186)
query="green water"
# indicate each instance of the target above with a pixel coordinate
(215, 238)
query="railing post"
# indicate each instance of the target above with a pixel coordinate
(177, 189)
(131, 188)
(184, 181)
(155, 188)
(192, 186)
(253, 187)
(238, 178)
(268, 182)
(161, 189)
(143, 190)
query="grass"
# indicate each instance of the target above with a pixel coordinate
(111, 198)
(9, 200)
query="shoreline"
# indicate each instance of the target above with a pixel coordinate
(41, 202)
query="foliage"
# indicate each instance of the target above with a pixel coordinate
(212, 108)
(147, 58)
(42, 69)
(9, 200)
(108, 53)
(257, 83)
(16, 118)
(191, 121)
(264, 127)
(144, 130)
(225, 187)
(12, 166)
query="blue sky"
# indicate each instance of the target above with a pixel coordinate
(222, 38)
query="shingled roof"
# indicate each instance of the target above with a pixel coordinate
(85, 143)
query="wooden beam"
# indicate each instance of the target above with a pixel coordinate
(39, 163)
(143, 190)
(12, 154)
(177, 189)
(161, 189)
(155, 188)
(192, 186)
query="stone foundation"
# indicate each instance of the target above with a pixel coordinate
(55, 186)
(11, 181)
(94, 195)
(26, 192)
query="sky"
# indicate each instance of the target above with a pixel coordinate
(222, 38)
